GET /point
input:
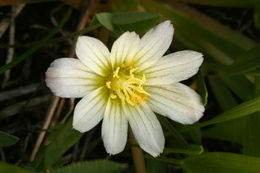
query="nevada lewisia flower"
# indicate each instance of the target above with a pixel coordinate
(129, 84)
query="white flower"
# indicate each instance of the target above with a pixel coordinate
(129, 84)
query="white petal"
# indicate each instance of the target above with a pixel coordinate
(176, 101)
(146, 128)
(124, 48)
(174, 67)
(114, 127)
(153, 45)
(93, 53)
(90, 110)
(68, 77)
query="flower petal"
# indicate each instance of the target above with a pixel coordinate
(90, 110)
(176, 101)
(124, 48)
(114, 127)
(153, 45)
(94, 54)
(68, 77)
(174, 67)
(146, 128)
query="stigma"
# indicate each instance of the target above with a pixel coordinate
(127, 86)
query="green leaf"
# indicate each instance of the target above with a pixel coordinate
(9, 168)
(7, 139)
(217, 162)
(242, 110)
(219, 42)
(98, 166)
(244, 131)
(255, 72)
(231, 130)
(174, 132)
(194, 150)
(154, 166)
(240, 85)
(248, 61)
(61, 139)
(119, 23)
(32, 50)
(222, 93)
(202, 89)
(106, 20)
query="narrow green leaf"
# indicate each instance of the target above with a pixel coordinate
(202, 89)
(248, 61)
(252, 135)
(32, 50)
(155, 166)
(231, 130)
(217, 162)
(61, 139)
(255, 72)
(97, 166)
(234, 131)
(222, 93)
(219, 42)
(240, 85)
(106, 20)
(194, 150)
(194, 136)
(242, 110)
(129, 21)
(9, 168)
(174, 132)
(7, 139)
(244, 131)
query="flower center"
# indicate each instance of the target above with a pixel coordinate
(124, 85)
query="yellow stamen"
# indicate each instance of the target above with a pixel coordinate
(113, 96)
(115, 74)
(108, 84)
(127, 86)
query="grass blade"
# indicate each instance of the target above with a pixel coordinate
(242, 110)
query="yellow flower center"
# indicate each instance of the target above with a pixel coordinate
(126, 86)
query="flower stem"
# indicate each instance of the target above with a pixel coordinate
(137, 154)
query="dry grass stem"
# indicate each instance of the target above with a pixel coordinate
(14, 12)
(83, 22)
(45, 126)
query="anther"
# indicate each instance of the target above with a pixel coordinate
(113, 96)
(115, 75)
(108, 84)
